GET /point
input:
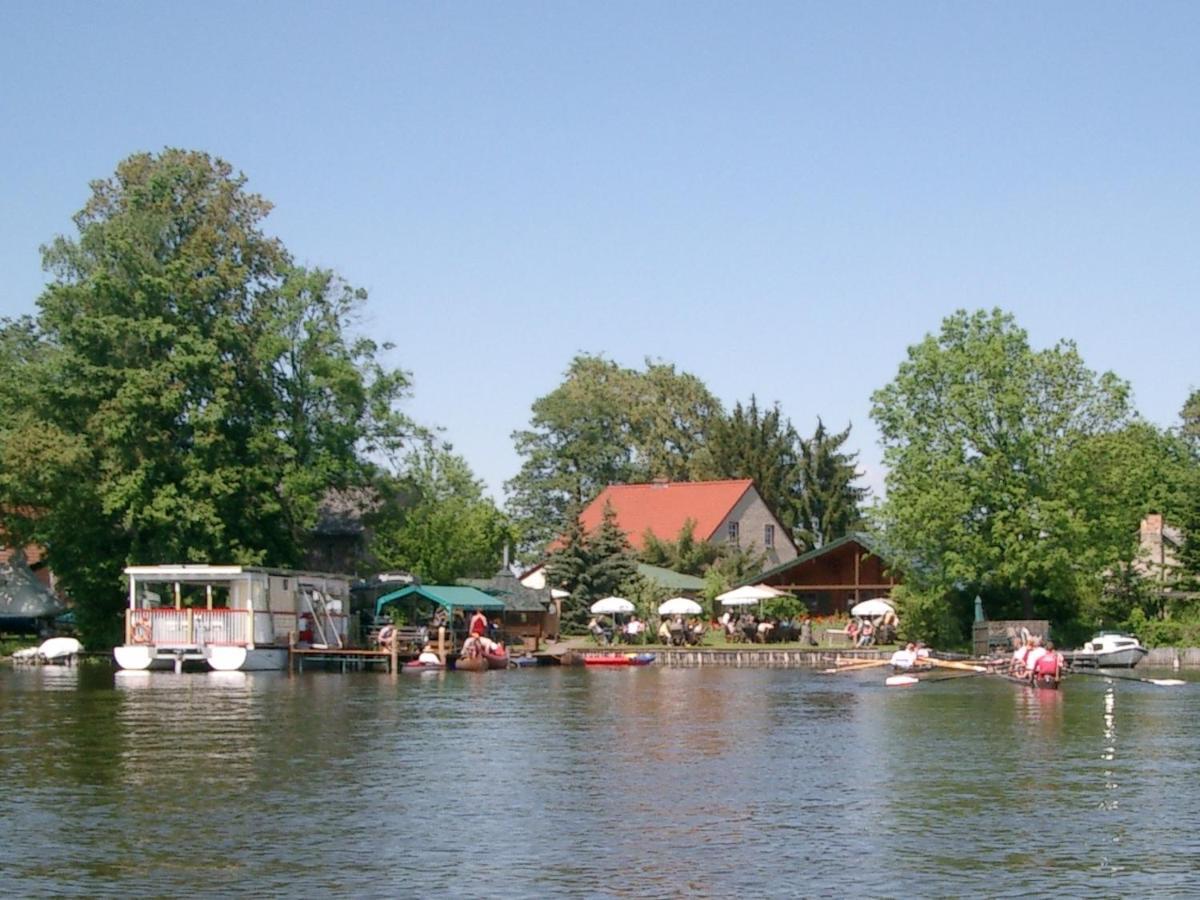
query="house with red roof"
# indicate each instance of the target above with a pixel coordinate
(724, 512)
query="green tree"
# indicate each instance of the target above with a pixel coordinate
(604, 425)
(976, 427)
(200, 389)
(684, 554)
(762, 446)
(436, 521)
(591, 567)
(828, 506)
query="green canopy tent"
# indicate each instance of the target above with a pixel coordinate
(450, 597)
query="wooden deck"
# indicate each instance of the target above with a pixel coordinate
(347, 658)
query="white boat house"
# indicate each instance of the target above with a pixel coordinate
(229, 617)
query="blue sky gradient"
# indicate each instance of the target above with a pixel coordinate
(778, 198)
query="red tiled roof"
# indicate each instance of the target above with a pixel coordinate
(664, 507)
(33, 554)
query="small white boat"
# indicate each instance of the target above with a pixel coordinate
(1110, 650)
(55, 651)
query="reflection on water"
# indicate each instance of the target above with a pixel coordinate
(569, 781)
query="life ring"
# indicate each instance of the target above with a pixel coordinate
(386, 633)
(143, 632)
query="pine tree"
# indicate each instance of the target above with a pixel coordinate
(590, 567)
(828, 506)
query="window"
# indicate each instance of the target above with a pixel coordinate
(733, 533)
(768, 536)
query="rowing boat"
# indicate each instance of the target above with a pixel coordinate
(1047, 682)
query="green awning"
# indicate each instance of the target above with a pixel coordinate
(451, 597)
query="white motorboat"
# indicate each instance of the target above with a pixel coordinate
(1110, 650)
(55, 651)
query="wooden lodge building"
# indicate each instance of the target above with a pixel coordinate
(832, 578)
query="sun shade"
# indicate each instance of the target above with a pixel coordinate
(451, 597)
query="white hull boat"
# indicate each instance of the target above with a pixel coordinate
(1110, 651)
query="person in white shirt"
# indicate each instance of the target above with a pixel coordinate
(1036, 652)
(428, 657)
(905, 658)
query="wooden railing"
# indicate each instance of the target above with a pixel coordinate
(222, 627)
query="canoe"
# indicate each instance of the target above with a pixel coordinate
(471, 664)
(497, 660)
(570, 658)
(628, 659)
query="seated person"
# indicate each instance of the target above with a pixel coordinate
(597, 631)
(1017, 663)
(428, 657)
(490, 646)
(763, 632)
(664, 632)
(1049, 664)
(852, 631)
(906, 657)
(633, 630)
(922, 652)
(1033, 654)
(678, 636)
(471, 646)
(866, 635)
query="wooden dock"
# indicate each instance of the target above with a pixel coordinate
(346, 658)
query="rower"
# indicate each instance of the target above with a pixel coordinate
(1036, 651)
(1018, 657)
(1049, 665)
(905, 658)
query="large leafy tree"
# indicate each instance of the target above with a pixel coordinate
(1189, 513)
(603, 425)
(185, 392)
(977, 427)
(828, 506)
(436, 521)
(763, 446)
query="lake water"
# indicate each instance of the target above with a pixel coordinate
(574, 782)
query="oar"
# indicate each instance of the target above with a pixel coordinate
(906, 680)
(954, 664)
(856, 666)
(1161, 682)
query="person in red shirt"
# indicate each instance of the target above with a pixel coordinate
(478, 624)
(1048, 665)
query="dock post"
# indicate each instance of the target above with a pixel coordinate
(394, 648)
(442, 643)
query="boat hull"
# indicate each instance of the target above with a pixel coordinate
(496, 660)
(1044, 682)
(142, 657)
(1117, 659)
(600, 659)
(471, 664)
(246, 659)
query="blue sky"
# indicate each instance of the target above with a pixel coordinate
(778, 198)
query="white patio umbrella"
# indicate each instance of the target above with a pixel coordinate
(749, 594)
(611, 605)
(871, 608)
(680, 606)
